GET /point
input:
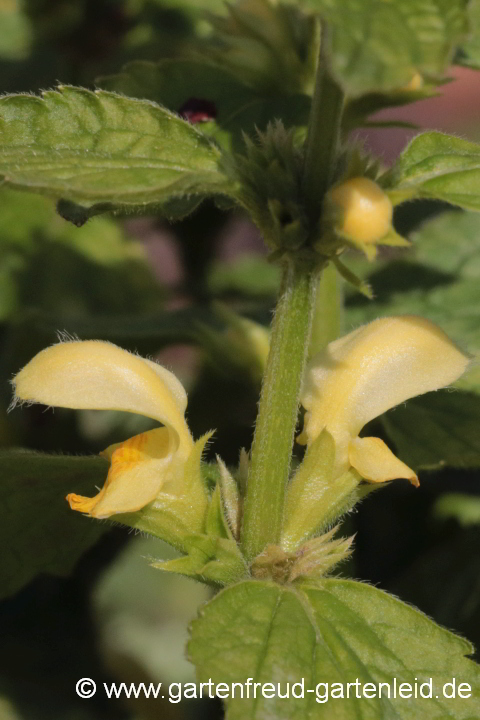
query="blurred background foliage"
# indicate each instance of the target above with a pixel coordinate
(170, 291)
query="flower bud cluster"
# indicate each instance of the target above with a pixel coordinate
(271, 175)
(354, 212)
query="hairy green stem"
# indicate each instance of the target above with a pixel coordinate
(278, 410)
(323, 135)
(263, 512)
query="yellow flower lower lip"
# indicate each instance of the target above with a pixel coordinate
(376, 463)
(82, 504)
(138, 470)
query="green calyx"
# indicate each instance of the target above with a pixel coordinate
(313, 560)
(271, 174)
(212, 553)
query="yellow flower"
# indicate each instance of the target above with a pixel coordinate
(366, 211)
(364, 374)
(98, 375)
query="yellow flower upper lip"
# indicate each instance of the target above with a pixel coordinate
(98, 375)
(371, 370)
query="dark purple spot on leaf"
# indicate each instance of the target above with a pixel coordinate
(196, 110)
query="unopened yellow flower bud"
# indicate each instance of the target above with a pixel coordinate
(416, 83)
(363, 210)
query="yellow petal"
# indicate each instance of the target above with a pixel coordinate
(139, 468)
(371, 370)
(96, 375)
(375, 462)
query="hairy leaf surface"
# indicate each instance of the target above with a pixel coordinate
(338, 632)
(378, 45)
(440, 167)
(98, 148)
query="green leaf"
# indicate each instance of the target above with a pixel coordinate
(442, 575)
(145, 333)
(463, 508)
(96, 148)
(48, 264)
(11, 266)
(439, 167)
(15, 31)
(338, 632)
(195, 7)
(437, 429)
(22, 217)
(172, 83)
(450, 244)
(38, 531)
(358, 109)
(379, 46)
(237, 107)
(469, 54)
(272, 46)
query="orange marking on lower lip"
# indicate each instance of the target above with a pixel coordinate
(126, 455)
(80, 503)
(137, 441)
